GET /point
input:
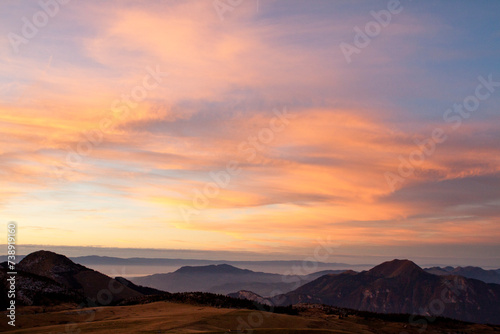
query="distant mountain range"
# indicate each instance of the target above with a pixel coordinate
(101, 262)
(130, 267)
(224, 279)
(400, 286)
(487, 276)
(93, 259)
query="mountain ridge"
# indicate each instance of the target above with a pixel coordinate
(400, 286)
(43, 274)
(224, 279)
(487, 276)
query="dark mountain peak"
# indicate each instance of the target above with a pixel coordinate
(74, 277)
(42, 261)
(396, 268)
(212, 269)
(400, 286)
(55, 266)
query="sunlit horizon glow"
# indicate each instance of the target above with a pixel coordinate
(322, 173)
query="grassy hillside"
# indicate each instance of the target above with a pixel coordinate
(168, 317)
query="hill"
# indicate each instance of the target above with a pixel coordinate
(400, 286)
(487, 276)
(45, 278)
(224, 279)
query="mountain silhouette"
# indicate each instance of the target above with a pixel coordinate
(223, 279)
(400, 286)
(487, 276)
(45, 277)
(212, 269)
(397, 268)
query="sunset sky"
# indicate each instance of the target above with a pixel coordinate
(119, 121)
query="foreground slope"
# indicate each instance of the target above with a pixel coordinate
(167, 317)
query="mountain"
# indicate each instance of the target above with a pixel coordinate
(91, 283)
(224, 279)
(400, 286)
(108, 260)
(397, 268)
(36, 290)
(149, 266)
(45, 277)
(221, 269)
(221, 278)
(487, 276)
(318, 274)
(439, 270)
(141, 289)
(249, 295)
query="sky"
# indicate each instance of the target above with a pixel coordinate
(262, 126)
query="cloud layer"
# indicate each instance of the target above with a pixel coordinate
(92, 154)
